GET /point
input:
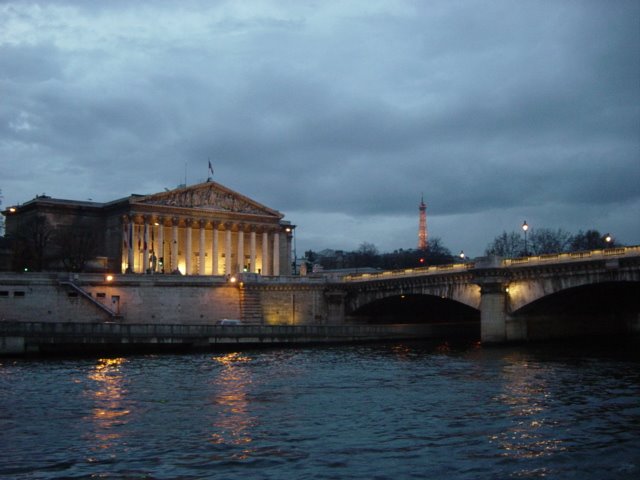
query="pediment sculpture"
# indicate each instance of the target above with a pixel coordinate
(209, 196)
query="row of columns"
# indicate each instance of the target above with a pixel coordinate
(150, 260)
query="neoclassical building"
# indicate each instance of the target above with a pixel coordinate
(204, 229)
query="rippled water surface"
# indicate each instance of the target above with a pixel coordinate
(378, 411)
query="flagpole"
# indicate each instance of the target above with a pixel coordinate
(210, 170)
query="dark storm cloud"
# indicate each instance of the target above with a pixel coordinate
(336, 112)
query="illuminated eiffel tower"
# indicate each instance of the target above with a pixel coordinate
(422, 229)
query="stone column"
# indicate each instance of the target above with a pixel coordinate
(189, 249)
(129, 243)
(214, 249)
(174, 244)
(265, 253)
(493, 312)
(201, 267)
(335, 306)
(160, 253)
(227, 249)
(252, 243)
(276, 252)
(240, 259)
(137, 267)
(145, 245)
(495, 323)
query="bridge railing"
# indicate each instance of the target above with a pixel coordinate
(573, 256)
(530, 260)
(409, 272)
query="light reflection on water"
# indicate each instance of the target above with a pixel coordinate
(381, 411)
(233, 421)
(528, 396)
(109, 399)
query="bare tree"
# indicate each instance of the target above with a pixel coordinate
(506, 245)
(590, 240)
(77, 244)
(31, 244)
(366, 256)
(545, 240)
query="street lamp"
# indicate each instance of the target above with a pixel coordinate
(292, 232)
(525, 227)
(608, 239)
(462, 255)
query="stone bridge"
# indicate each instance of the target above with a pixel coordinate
(522, 298)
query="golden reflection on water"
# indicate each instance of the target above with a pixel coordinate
(528, 397)
(108, 396)
(233, 422)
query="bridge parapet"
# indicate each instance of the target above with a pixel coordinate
(573, 256)
(483, 263)
(409, 272)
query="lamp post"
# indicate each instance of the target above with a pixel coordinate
(525, 227)
(608, 239)
(292, 232)
(462, 257)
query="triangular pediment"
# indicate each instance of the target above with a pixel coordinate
(209, 196)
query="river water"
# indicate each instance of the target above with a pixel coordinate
(384, 411)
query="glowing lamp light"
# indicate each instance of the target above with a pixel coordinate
(608, 238)
(109, 278)
(12, 209)
(525, 227)
(233, 279)
(462, 254)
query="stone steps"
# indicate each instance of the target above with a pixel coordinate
(250, 306)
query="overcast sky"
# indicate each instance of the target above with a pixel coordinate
(340, 114)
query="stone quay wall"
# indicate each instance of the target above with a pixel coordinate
(19, 338)
(59, 313)
(125, 299)
(161, 299)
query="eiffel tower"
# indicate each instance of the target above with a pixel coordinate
(422, 229)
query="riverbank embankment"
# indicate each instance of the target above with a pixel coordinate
(19, 338)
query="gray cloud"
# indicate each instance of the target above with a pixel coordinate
(338, 114)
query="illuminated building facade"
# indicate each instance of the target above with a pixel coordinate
(204, 229)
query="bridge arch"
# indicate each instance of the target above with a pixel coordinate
(525, 291)
(413, 301)
(589, 309)
(465, 293)
(588, 299)
(414, 308)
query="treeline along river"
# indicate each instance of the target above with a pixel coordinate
(399, 410)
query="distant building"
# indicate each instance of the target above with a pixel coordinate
(204, 229)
